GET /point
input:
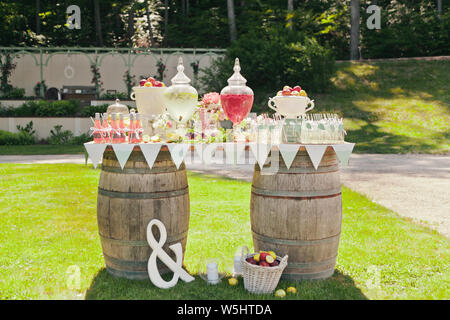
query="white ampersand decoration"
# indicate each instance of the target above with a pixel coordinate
(157, 251)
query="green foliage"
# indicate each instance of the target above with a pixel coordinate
(37, 89)
(79, 140)
(271, 61)
(59, 136)
(28, 109)
(96, 79)
(43, 108)
(19, 138)
(18, 23)
(6, 68)
(160, 68)
(130, 81)
(408, 29)
(15, 93)
(114, 96)
(90, 111)
(59, 108)
(27, 129)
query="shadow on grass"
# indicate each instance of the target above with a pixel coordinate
(106, 287)
(370, 138)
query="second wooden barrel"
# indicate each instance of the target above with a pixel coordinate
(298, 212)
(129, 199)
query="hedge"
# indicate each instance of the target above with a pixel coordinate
(19, 138)
(44, 108)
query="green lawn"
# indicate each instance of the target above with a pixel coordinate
(392, 106)
(48, 224)
(41, 149)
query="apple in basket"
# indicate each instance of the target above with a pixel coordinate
(264, 259)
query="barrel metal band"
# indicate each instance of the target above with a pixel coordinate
(137, 243)
(305, 170)
(154, 170)
(132, 275)
(131, 264)
(289, 242)
(307, 265)
(297, 194)
(143, 195)
(126, 263)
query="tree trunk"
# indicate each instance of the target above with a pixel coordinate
(98, 25)
(150, 30)
(290, 8)
(131, 24)
(231, 20)
(439, 8)
(354, 30)
(38, 18)
(166, 21)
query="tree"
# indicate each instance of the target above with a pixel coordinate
(231, 20)
(166, 21)
(354, 29)
(38, 19)
(150, 31)
(439, 8)
(98, 25)
(130, 31)
(290, 7)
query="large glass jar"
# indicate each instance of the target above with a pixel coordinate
(236, 98)
(180, 98)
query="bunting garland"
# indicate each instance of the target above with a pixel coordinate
(233, 152)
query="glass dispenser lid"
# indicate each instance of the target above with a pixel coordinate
(180, 77)
(237, 79)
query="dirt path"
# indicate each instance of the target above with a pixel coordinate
(414, 186)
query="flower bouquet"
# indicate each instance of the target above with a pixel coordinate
(210, 111)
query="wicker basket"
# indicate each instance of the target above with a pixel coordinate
(259, 279)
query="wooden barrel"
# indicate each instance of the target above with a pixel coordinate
(298, 211)
(129, 199)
